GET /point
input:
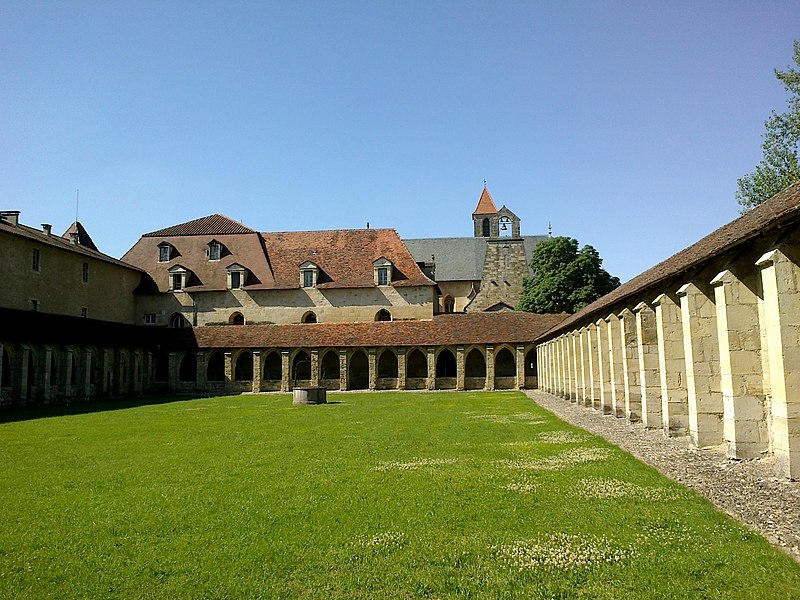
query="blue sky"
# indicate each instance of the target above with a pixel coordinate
(624, 124)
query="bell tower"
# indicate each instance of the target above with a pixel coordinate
(485, 216)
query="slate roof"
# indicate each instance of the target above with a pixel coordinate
(459, 258)
(210, 225)
(485, 204)
(453, 329)
(84, 239)
(780, 210)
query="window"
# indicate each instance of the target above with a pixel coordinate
(449, 304)
(150, 318)
(37, 260)
(164, 253)
(236, 280)
(84, 312)
(383, 315)
(177, 320)
(383, 271)
(177, 278)
(34, 305)
(177, 282)
(309, 273)
(308, 278)
(85, 273)
(383, 275)
(214, 250)
(237, 277)
(237, 318)
(309, 317)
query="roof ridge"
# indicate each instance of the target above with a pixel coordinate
(216, 224)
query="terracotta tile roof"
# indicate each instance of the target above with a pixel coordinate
(451, 330)
(210, 225)
(485, 204)
(778, 211)
(344, 257)
(84, 239)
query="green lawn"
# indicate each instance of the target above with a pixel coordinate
(441, 495)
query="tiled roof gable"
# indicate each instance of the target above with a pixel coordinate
(84, 239)
(210, 225)
(486, 205)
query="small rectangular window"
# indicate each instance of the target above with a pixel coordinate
(150, 318)
(177, 282)
(213, 252)
(163, 253)
(37, 260)
(85, 273)
(34, 305)
(84, 312)
(236, 280)
(383, 276)
(308, 278)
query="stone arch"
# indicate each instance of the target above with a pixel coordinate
(505, 368)
(486, 227)
(329, 365)
(309, 317)
(416, 364)
(272, 369)
(449, 304)
(177, 320)
(94, 366)
(387, 364)
(215, 369)
(243, 366)
(530, 363)
(54, 368)
(236, 318)
(74, 362)
(475, 364)
(445, 363)
(301, 366)
(358, 371)
(383, 315)
(160, 367)
(187, 371)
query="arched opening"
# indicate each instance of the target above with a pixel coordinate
(273, 370)
(485, 226)
(504, 364)
(383, 315)
(310, 317)
(5, 370)
(330, 365)
(446, 364)
(301, 366)
(475, 364)
(73, 376)
(177, 320)
(530, 363)
(243, 371)
(94, 374)
(416, 365)
(161, 371)
(123, 363)
(215, 369)
(358, 373)
(188, 368)
(387, 365)
(237, 318)
(31, 375)
(449, 304)
(53, 369)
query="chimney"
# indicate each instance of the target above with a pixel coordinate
(47, 228)
(10, 216)
(73, 237)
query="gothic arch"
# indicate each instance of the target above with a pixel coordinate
(160, 366)
(445, 363)
(387, 364)
(272, 369)
(177, 320)
(215, 369)
(329, 365)
(187, 371)
(449, 304)
(416, 364)
(475, 363)
(243, 366)
(358, 371)
(301, 366)
(505, 366)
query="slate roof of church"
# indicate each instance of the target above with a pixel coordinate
(485, 204)
(779, 211)
(273, 260)
(84, 239)
(451, 329)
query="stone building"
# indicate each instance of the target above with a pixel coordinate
(483, 272)
(704, 344)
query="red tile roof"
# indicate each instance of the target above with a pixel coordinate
(485, 204)
(210, 225)
(778, 211)
(451, 330)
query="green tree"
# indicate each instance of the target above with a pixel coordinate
(779, 168)
(564, 279)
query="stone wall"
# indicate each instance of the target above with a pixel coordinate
(504, 269)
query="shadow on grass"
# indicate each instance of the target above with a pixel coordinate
(14, 414)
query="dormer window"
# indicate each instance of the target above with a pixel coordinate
(164, 252)
(214, 250)
(383, 271)
(237, 275)
(177, 278)
(308, 274)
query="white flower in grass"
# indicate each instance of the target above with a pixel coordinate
(562, 551)
(561, 437)
(387, 539)
(615, 488)
(414, 464)
(563, 460)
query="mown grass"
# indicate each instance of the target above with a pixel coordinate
(443, 495)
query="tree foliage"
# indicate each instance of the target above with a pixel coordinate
(779, 168)
(564, 279)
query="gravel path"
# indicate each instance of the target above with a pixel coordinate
(746, 490)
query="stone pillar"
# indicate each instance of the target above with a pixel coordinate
(172, 376)
(373, 368)
(630, 365)
(460, 368)
(342, 369)
(85, 375)
(138, 372)
(602, 368)
(741, 370)
(256, 388)
(286, 371)
(489, 368)
(615, 366)
(591, 346)
(544, 366)
(315, 367)
(585, 391)
(672, 366)
(202, 375)
(66, 379)
(649, 373)
(431, 368)
(19, 383)
(567, 368)
(780, 280)
(228, 357)
(2, 379)
(520, 361)
(576, 363)
(704, 395)
(401, 368)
